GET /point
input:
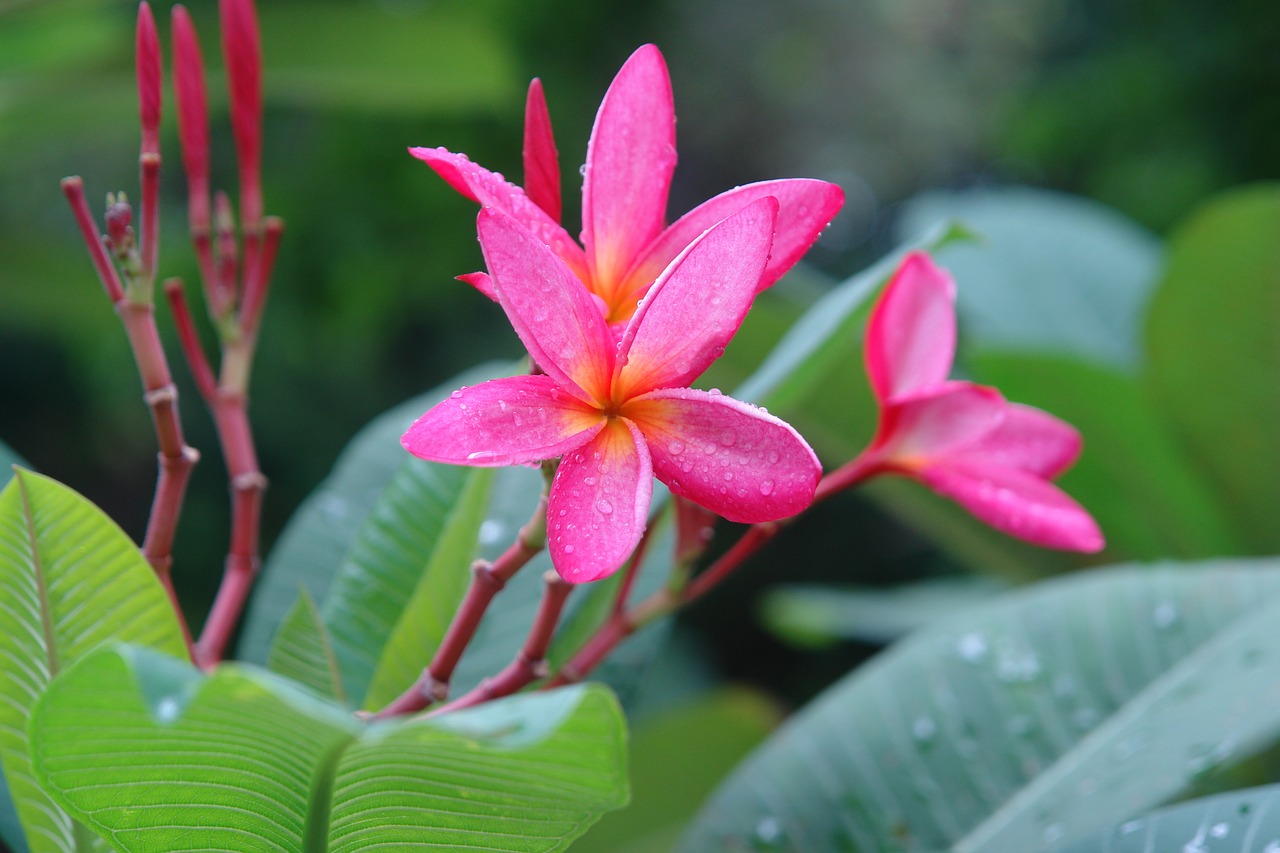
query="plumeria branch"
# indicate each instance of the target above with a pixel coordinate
(487, 580)
(129, 284)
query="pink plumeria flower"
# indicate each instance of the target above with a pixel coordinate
(964, 441)
(630, 158)
(620, 412)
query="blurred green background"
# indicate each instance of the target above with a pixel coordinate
(1148, 108)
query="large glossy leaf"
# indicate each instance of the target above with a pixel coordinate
(244, 761)
(1024, 725)
(319, 535)
(420, 625)
(1245, 821)
(70, 580)
(1147, 497)
(1214, 345)
(1051, 273)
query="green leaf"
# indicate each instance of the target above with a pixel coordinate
(1132, 476)
(816, 615)
(303, 650)
(1214, 348)
(1050, 274)
(313, 545)
(1050, 714)
(70, 580)
(821, 337)
(421, 624)
(1245, 821)
(394, 547)
(243, 761)
(529, 773)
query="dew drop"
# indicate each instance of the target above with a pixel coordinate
(715, 392)
(923, 729)
(773, 457)
(604, 506)
(456, 395)
(766, 487)
(590, 481)
(167, 710)
(728, 437)
(1219, 830)
(972, 647)
(676, 447)
(568, 549)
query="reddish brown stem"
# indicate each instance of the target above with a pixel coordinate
(189, 340)
(530, 662)
(73, 189)
(247, 485)
(487, 579)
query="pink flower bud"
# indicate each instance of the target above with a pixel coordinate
(148, 64)
(193, 117)
(242, 53)
(119, 224)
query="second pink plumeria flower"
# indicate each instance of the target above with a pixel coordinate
(964, 441)
(631, 156)
(620, 412)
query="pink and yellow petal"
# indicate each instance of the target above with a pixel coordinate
(1030, 440)
(696, 306)
(1017, 503)
(492, 190)
(732, 458)
(630, 159)
(541, 161)
(944, 420)
(554, 315)
(511, 421)
(599, 503)
(805, 207)
(911, 335)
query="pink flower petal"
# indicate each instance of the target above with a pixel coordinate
(805, 206)
(732, 458)
(551, 311)
(493, 190)
(938, 422)
(630, 158)
(481, 282)
(511, 421)
(599, 504)
(911, 336)
(1019, 504)
(541, 162)
(696, 306)
(1029, 440)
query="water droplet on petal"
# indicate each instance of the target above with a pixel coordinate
(568, 549)
(676, 447)
(604, 506)
(766, 487)
(456, 394)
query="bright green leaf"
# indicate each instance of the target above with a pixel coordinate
(243, 761)
(319, 535)
(70, 580)
(1214, 353)
(529, 773)
(1053, 713)
(1245, 821)
(303, 650)
(1050, 273)
(421, 624)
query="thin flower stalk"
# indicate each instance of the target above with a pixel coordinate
(487, 580)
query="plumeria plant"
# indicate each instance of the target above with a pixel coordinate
(454, 687)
